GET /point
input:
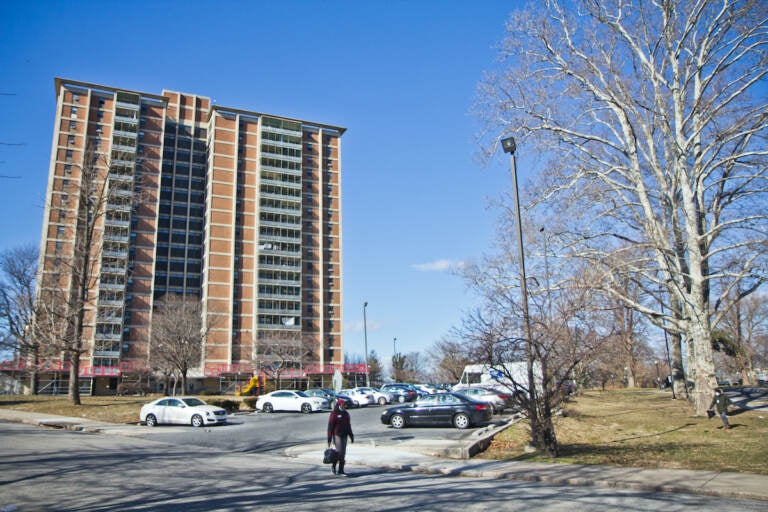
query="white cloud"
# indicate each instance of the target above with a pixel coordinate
(358, 326)
(438, 266)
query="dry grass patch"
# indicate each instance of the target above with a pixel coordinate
(102, 408)
(112, 409)
(646, 428)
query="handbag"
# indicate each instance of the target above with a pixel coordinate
(330, 456)
(710, 413)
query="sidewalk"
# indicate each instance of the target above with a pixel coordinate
(422, 457)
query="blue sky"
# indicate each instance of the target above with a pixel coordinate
(399, 75)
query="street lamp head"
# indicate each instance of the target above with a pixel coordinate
(365, 304)
(508, 145)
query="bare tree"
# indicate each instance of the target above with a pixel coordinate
(414, 367)
(281, 352)
(654, 126)
(178, 335)
(449, 356)
(18, 273)
(745, 327)
(565, 333)
(64, 294)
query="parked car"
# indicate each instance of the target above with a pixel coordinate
(488, 396)
(425, 389)
(379, 397)
(401, 392)
(290, 400)
(330, 395)
(349, 403)
(181, 410)
(440, 409)
(359, 398)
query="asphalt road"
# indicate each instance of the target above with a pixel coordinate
(275, 432)
(63, 470)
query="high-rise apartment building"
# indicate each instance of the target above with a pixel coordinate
(239, 208)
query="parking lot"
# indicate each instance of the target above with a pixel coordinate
(276, 432)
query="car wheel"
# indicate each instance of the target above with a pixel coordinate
(401, 399)
(461, 420)
(267, 407)
(397, 421)
(356, 404)
(382, 401)
(306, 408)
(197, 421)
(151, 420)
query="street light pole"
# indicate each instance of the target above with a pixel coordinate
(509, 146)
(365, 334)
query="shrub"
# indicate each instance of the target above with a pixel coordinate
(250, 402)
(229, 405)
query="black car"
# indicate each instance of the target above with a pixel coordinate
(401, 392)
(440, 409)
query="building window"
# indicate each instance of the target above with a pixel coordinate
(73, 125)
(75, 98)
(71, 140)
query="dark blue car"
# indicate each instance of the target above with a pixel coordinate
(440, 409)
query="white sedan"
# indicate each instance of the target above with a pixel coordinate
(359, 398)
(379, 396)
(289, 400)
(181, 410)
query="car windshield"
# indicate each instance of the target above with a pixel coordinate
(193, 402)
(302, 394)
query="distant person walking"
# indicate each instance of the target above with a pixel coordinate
(339, 429)
(721, 403)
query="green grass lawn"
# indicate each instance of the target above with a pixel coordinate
(645, 428)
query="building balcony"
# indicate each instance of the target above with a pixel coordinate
(278, 296)
(107, 353)
(112, 286)
(123, 133)
(117, 222)
(112, 303)
(295, 209)
(123, 148)
(112, 253)
(278, 183)
(267, 266)
(130, 106)
(282, 312)
(281, 282)
(119, 207)
(281, 197)
(120, 177)
(104, 336)
(127, 119)
(114, 237)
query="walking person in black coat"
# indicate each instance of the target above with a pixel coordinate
(339, 429)
(721, 402)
